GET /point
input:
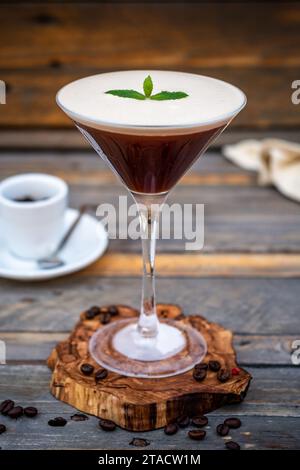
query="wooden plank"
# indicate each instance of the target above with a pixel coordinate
(271, 425)
(246, 306)
(152, 35)
(72, 139)
(45, 46)
(87, 169)
(199, 265)
(262, 350)
(107, 178)
(57, 31)
(239, 217)
(270, 386)
(82, 165)
(36, 91)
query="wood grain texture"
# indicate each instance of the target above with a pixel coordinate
(262, 312)
(260, 350)
(37, 92)
(239, 216)
(145, 404)
(272, 424)
(199, 265)
(46, 46)
(71, 139)
(30, 384)
(246, 306)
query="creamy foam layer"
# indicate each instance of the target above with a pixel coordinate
(210, 103)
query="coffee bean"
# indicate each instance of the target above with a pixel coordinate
(15, 412)
(138, 442)
(200, 421)
(113, 310)
(214, 366)
(171, 429)
(183, 421)
(57, 422)
(30, 411)
(105, 318)
(87, 369)
(201, 365)
(92, 312)
(179, 317)
(231, 445)
(100, 375)
(6, 406)
(107, 425)
(197, 434)
(2, 428)
(223, 375)
(222, 429)
(79, 417)
(233, 423)
(199, 374)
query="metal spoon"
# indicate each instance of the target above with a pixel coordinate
(54, 261)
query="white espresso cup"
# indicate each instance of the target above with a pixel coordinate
(32, 209)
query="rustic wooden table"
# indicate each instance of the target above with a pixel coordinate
(247, 278)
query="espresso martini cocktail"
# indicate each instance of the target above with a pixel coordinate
(150, 127)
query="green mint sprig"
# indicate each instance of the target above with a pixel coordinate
(148, 88)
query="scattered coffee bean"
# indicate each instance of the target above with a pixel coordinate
(15, 412)
(199, 374)
(87, 369)
(100, 375)
(107, 425)
(171, 429)
(200, 421)
(92, 312)
(6, 406)
(138, 442)
(197, 434)
(235, 371)
(30, 411)
(179, 317)
(214, 366)
(233, 423)
(231, 445)
(201, 365)
(222, 429)
(105, 318)
(79, 417)
(2, 428)
(223, 375)
(113, 310)
(183, 421)
(57, 422)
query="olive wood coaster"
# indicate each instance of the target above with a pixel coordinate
(144, 404)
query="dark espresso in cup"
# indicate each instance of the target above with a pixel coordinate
(28, 198)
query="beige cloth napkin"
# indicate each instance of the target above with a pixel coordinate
(276, 161)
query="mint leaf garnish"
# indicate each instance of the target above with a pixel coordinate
(148, 88)
(127, 94)
(169, 95)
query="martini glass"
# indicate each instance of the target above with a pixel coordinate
(149, 145)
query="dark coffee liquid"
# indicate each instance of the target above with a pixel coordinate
(149, 163)
(29, 199)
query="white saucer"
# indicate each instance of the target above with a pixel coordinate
(87, 243)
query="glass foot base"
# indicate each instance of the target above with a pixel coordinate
(119, 348)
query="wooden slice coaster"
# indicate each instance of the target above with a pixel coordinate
(144, 404)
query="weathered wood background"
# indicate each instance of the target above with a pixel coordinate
(247, 279)
(44, 46)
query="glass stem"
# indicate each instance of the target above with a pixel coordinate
(149, 210)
